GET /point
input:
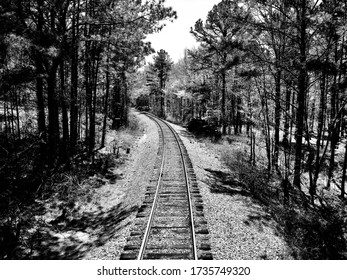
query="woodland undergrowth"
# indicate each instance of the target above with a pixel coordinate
(316, 231)
(29, 190)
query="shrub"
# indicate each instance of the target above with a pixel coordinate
(202, 128)
(315, 234)
(133, 123)
(312, 232)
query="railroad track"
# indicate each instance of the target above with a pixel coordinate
(170, 224)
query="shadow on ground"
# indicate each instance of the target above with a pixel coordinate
(311, 232)
(223, 182)
(188, 135)
(72, 237)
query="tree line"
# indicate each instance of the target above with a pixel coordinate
(278, 67)
(72, 59)
(65, 75)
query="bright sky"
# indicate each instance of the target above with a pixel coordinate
(175, 36)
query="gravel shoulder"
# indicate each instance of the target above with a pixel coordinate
(127, 194)
(240, 228)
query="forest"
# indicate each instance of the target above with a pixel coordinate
(270, 74)
(274, 72)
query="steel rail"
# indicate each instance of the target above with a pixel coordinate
(195, 254)
(148, 227)
(151, 215)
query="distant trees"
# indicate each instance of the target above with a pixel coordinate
(162, 65)
(157, 76)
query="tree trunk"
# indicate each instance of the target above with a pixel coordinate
(125, 101)
(107, 93)
(12, 116)
(343, 179)
(162, 103)
(239, 116)
(335, 112)
(233, 112)
(89, 93)
(333, 126)
(87, 81)
(53, 115)
(40, 103)
(92, 112)
(277, 118)
(319, 132)
(287, 115)
(266, 121)
(224, 131)
(74, 79)
(104, 125)
(116, 102)
(65, 119)
(313, 114)
(41, 118)
(17, 114)
(301, 98)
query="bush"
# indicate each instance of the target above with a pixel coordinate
(143, 108)
(142, 101)
(133, 123)
(311, 232)
(202, 128)
(254, 179)
(315, 234)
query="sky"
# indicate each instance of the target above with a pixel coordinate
(175, 36)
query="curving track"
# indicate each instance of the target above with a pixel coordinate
(170, 223)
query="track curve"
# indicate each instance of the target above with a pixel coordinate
(170, 224)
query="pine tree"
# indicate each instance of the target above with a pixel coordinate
(222, 37)
(161, 67)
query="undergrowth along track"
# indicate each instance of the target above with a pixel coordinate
(170, 224)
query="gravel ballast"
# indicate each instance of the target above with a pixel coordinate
(129, 192)
(240, 229)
